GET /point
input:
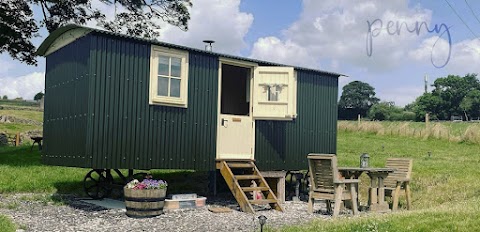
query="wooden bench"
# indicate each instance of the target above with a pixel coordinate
(398, 180)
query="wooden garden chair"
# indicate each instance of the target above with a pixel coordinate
(399, 180)
(325, 183)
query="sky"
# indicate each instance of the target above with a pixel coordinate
(391, 44)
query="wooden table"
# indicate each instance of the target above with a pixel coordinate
(376, 196)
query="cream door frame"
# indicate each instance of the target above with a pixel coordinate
(243, 64)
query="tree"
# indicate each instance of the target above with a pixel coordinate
(5, 97)
(38, 96)
(139, 18)
(428, 103)
(452, 90)
(383, 111)
(452, 96)
(388, 111)
(357, 98)
(471, 104)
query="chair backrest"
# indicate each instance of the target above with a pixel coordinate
(403, 170)
(323, 171)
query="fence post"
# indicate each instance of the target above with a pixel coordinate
(427, 120)
(17, 139)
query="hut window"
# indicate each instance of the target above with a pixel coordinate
(168, 77)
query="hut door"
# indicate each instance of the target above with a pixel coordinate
(274, 93)
(235, 125)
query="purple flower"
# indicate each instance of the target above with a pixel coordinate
(147, 183)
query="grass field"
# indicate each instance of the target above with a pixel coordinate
(445, 189)
(18, 103)
(445, 186)
(21, 171)
(13, 128)
(449, 131)
(6, 224)
(27, 114)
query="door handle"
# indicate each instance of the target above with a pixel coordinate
(224, 122)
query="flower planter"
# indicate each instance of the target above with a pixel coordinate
(143, 203)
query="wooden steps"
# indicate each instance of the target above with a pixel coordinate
(251, 189)
(247, 185)
(247, 177)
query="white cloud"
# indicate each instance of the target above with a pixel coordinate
(400, 95)
(342, 81)
(337, 29)
(464, 54)
(23, 86)
(274, 50)
(217, 20)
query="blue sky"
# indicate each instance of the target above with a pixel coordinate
(329, 35)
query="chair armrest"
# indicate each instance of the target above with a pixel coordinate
(347, 181)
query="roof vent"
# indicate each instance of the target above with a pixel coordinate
(208, 45)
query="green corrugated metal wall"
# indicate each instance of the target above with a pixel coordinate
(284, 145)
(97, 112)
(66, 108)
(127, 132)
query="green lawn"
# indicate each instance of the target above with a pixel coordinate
(21, 171)
(449, 131)
(445, 186)
(13, 128)
(26, 114)
(449, 217)
(6, 224)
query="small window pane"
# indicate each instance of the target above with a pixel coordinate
(175, 88)
(163, 63)
(162, 89)
(272, 94)
(176, 67)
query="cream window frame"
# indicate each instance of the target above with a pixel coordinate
(156, 99)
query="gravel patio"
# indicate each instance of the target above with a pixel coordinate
(73, 214)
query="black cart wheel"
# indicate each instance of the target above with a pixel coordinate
(305, 186)
(97, 184)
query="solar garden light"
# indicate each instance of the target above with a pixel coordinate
(262, 220)
(364, 160)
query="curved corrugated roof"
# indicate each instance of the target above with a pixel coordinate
(44, 47)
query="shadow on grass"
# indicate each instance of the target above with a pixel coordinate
(20, 156)
(70, 187)
(179, 181)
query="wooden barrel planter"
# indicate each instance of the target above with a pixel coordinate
(144, 203)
